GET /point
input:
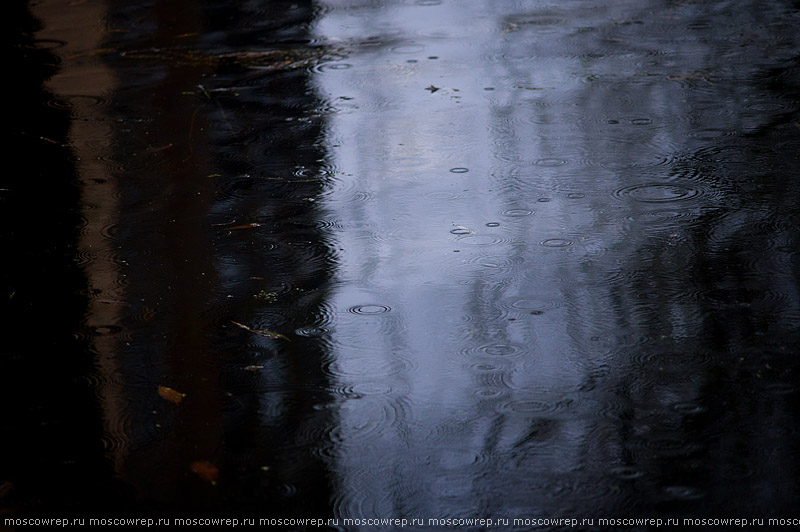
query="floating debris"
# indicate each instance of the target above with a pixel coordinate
(261, 332)
(205, 470)
(263, 295)
(244, 226)
(173, 396)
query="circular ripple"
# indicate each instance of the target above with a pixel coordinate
(354, 500)
(709, 134)
(689, 408)
(483, 240)
(311, 331)
(329, 66)
(528, 407)
(318, 321)
(662, 216)
(346, 392)
(549, 162)
(329, 224)
(492, 263)
(645, 155)
(485, 367)
(442, 195)
(627, 472)
(495, 350)
(670, 446)
(407, 49)
(48, 44)
(516, 213)
(502, 350)
(590, 251)
(371, 388)
(120, 430)
(528, 305)
(98, 379)
(76, 100)
(657, 192)
(556, 243)
(489, 393)
(359, 366)
(314, 256)
(105, 330)
(459, 170)
(288, 490)
(369, 309)
(676, 361)
(367, 420)
(684, 492)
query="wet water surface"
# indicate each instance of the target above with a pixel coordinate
(404, 259)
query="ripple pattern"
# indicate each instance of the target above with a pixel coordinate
(658, 192)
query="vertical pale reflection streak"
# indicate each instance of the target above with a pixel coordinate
(83, 80)
(415, 159)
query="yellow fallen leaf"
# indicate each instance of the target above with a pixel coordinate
(205, 470)
(171, 395)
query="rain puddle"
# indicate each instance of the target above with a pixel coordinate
(415, 260)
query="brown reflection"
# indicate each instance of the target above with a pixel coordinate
(81, 83)
(165, 164)
(178, 252)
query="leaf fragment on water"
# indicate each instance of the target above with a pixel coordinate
(161, 148)
(173, 396)
(245, 226)
(262, 332)
(205, 470)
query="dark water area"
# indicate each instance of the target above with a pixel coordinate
(420, 260)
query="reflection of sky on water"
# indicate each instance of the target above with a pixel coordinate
(542, 237)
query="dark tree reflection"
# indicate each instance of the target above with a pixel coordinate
(208, 218)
